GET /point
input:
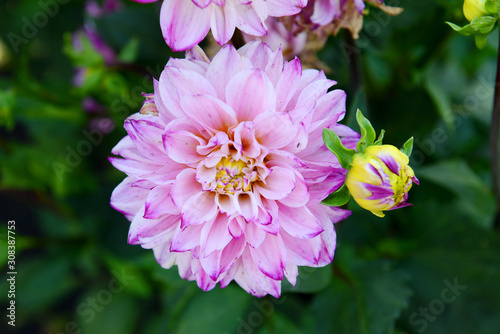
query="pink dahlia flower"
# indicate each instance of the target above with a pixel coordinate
(185, 23)
(227, 168)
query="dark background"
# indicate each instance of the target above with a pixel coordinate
(430, 268)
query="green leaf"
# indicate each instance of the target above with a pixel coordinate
(473, 196)
(333, 143)
(380, 138)
(216, 311)
(365, 298)
(407, 147)
(367, 132)
(338, 198)
(483, 24)
(465, 30)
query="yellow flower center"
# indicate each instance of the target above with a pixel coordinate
(233, 176)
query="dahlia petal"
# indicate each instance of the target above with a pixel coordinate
(126, 200)
(223, 23)
(199, 208)
(248, 19)
(269, 257)
(332, 103)
(258, 53)
(146, 230)
(299, 195)
(288, 84)
(246, 205)
(274, 68)
(215, 235)
(325, 11)
(159, 203)
(184, 187)
(274, 130)
(183, 261)
(225, 203)
(186, 238)
(202, 3)
(252, 280)
(205, 175)
(219, 2)
(236, 227)
(279, 184)
(250, 93)
(254, 235)
(165, 258)
(133, 168)
(165, 115)
(195, 65)
(184, 24)
(308, 97)
(279, 8)
(210, 112)
(299, 222)
(202, 278)
(166, 174)
(224, 67)
(302, 252)
(146, 135)
(211, 265)
(178, 82)
(291, 273)
(244, 135)
(181, 146)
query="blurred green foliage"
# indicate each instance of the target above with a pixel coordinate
(77, 274)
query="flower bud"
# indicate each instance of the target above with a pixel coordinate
(474, 9)
(379, 179)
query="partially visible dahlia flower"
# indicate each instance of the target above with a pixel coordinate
(227, 168)
(278, 35)
(185, 23)
(329, 16)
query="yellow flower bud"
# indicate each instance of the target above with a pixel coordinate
(379, 179)
(474, 8)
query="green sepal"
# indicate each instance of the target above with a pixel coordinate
(465, 30)
(481, 41)
(333, 143)
(407, 147)
(339, 197)
(380, 138)
(492, 6)
(483, 24)
(367, 132)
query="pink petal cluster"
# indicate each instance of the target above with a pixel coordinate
(325, 11)
(292, 43)
(185, 23)
(227, 168)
